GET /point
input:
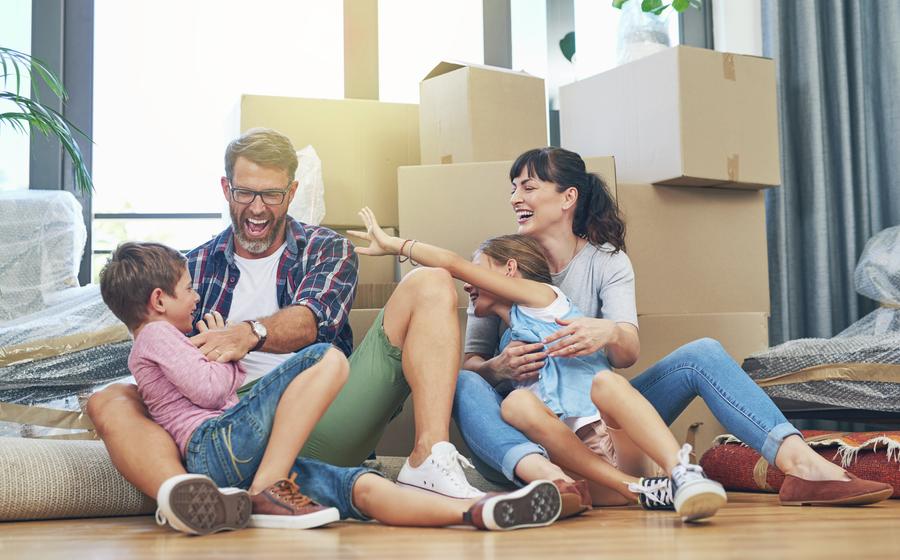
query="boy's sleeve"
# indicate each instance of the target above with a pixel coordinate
(329, 286)
(206, 384)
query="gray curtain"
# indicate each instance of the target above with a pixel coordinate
(838, 72)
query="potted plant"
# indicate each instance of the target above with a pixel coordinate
(25, 112)
(644, 26)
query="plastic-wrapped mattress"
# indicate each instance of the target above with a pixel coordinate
(860, 367)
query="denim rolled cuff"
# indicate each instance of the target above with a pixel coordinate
(516, 454)
(775, 438)
(354, 512)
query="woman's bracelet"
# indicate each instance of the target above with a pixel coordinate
(411, 260)
(400, 257)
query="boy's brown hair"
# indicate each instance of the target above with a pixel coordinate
(132, 273)
(524, 250)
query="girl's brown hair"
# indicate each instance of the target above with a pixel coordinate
(524, 250)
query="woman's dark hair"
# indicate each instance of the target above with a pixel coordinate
(597, 215)
(526, 251)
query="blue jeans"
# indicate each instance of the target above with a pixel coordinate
(229, 448)
(701, 368)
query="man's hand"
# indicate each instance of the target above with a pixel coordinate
(518, 362)
(224, 344)
(581, 337)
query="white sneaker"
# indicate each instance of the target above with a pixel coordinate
(193, 504)
(441, 473)
(695, 496)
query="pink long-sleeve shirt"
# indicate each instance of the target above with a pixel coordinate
(180, 387)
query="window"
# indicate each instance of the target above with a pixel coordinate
(15, 33)
(414, 35)
(168, 77)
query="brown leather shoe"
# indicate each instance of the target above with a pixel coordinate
(576, 497)
(282, 506)
(854, 492)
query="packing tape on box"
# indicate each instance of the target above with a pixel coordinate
(728, 67)
(734, 167)
(50, 347)
(882, 373)
(46, 417)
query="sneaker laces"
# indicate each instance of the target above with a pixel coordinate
(653, 490)
(288, 491)
(451, 465)
(685, 471)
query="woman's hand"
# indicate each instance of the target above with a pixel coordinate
(380, 243)
(581, 337)
(518, 362)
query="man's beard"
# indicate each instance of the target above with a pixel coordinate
(254, 246)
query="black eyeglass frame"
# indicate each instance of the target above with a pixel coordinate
(261, 194)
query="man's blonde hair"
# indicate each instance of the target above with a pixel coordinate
(265, 147)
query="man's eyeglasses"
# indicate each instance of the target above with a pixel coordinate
(246, 196)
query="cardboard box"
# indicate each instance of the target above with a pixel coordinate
(696, 250)
(741, 334)
(374, 270)
(685, 116)
(361, 143)
(472, 113)
(373, 296)
(460, 205)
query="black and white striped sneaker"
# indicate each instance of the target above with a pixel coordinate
(654, 493)
(193, 504)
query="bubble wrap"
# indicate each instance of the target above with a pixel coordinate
(42, 236)
(874, 339)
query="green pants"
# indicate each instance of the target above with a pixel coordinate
(375, 391)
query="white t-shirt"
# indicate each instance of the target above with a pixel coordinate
(255, 296)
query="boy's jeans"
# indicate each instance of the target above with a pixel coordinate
(229, 448)
(700, 368)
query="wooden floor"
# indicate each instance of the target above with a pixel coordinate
(751, 526)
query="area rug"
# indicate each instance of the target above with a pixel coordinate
(869, 455)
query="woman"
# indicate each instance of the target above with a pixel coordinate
(575, 220)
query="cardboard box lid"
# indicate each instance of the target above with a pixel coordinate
(446, 66)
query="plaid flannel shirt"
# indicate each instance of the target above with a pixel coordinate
(318, 270)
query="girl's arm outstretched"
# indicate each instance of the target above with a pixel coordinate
(515, 289)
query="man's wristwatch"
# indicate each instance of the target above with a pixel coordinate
(260, 331)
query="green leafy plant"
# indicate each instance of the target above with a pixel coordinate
(657, 7)
(15, 67)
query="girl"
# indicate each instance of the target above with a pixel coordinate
(253, 443)
(586, 415)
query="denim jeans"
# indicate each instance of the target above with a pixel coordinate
(229, 448)
(701, 368)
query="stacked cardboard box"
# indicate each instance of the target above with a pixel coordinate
(679, 122)
(361, 144)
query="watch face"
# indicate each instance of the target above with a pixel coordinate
(259, 329)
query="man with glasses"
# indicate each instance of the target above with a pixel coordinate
(283, 285)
